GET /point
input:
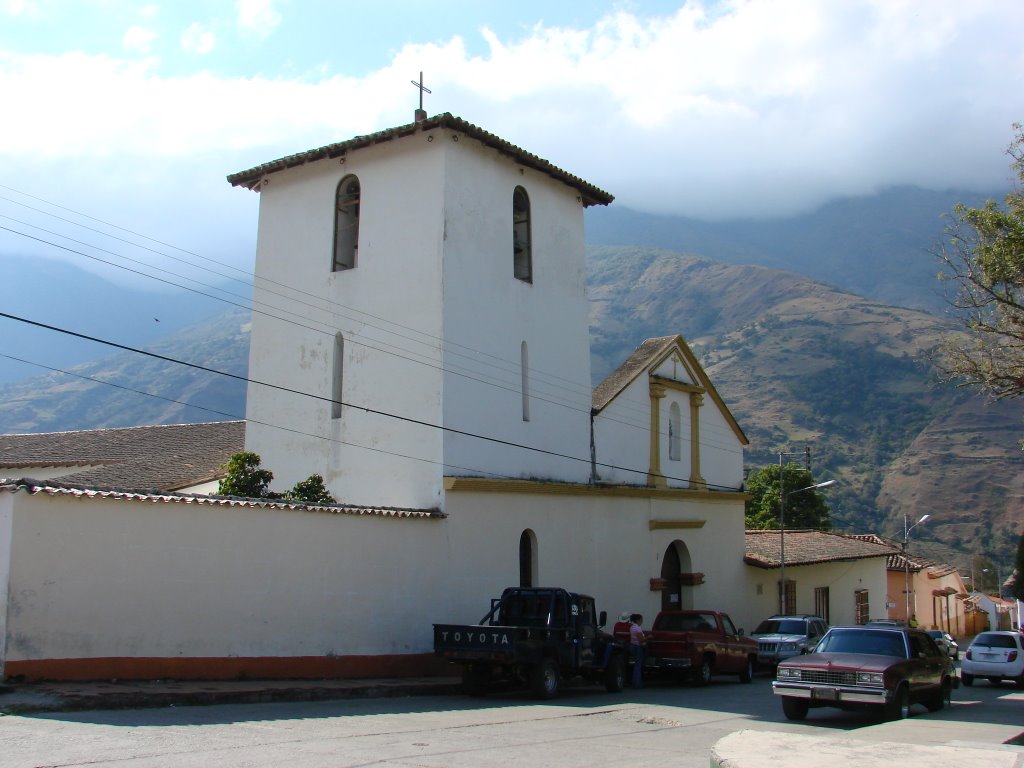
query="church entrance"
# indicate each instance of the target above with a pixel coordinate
(674, 595)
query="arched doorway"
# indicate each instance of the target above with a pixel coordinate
(527, 559)
(675, 596)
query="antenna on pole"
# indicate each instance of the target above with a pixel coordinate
(421, 113)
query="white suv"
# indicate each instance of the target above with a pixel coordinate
(780, 637)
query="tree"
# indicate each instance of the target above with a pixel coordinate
(245, 478)
(1017, 590)
(312, 491)
(807, 509)
(983, 259)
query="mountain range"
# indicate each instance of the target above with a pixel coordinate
(817, 331)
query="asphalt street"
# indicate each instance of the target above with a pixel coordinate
(659, 725)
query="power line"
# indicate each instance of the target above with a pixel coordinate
(365, 409)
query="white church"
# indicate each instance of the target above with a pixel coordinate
(420, 339)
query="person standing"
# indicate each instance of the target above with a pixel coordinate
(637, 643)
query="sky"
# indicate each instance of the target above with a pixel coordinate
(133, 113)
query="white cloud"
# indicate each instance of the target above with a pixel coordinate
(258, 17)
(139, 39)
(196, 39)
(760, 107)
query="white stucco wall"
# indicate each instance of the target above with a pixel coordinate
(488, 313)
(843, 579)
(390, 365)
(102, 578)
(622, 439)
(6, 532)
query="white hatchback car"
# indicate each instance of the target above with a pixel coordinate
(996, 656)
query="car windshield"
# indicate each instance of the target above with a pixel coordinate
(935, 633)
(876, 642)
(781, 627)
(992, 640)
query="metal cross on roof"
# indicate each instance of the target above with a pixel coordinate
(420, 113)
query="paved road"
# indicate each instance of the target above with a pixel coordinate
(658, 726)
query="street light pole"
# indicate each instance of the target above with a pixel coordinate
(782, 522)
(906, 562)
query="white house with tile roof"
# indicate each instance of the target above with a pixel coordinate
(421, 341)
(840, 577)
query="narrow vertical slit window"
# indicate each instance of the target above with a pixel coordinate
(524, 355)
(674, 438)
(338, 369)
(346, 224)
(522, 246)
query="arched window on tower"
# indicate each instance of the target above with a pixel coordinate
(338, 368)
(674, 438)
(524, 370)
(522, 247)
(346, 224)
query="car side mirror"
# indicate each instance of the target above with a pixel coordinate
(602, 618)
(739, 633)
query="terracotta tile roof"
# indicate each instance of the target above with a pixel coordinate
(154, 458)
(805, 547)
(591, 195)
(899, 560)
(63, 489)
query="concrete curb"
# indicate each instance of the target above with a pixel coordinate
(772, 749)
(53, 697)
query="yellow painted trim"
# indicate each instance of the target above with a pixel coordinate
(669, 525)
(654, 476)
(679, 386)
(503, 485)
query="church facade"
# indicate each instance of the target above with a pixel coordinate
(419, 339)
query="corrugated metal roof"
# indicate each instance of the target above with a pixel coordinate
(63, 489)
(590, 194)
(806, 547)
(151, 458)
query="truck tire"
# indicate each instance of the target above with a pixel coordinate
(615, 674)
(942, 697)
(794, 708)
(474, 679)
(702, 675)
(967, 679)
(544, 679)
(747, 674)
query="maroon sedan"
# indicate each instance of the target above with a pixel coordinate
(885, 668)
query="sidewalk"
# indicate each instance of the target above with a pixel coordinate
(62, 697)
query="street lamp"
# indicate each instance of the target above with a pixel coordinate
(906, 561)
(782, 528)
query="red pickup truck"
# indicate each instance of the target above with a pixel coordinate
(700, 644)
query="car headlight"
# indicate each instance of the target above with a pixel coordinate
(869, 678)
(788, 673)
(791, 647)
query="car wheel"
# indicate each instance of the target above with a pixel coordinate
(615, 674)
(747, 675)
(794, 708)
(704, 671)
(942, 697)
(1020, 681)
(544, 679)
(899, 707)
(967, 679)
(995, 680)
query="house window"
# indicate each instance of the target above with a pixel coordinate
(821, 603)
(336, 375)
(524, 365)
(522, 258)
(789, 604)
(346, 224)
(860, 606)
(674, 438)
